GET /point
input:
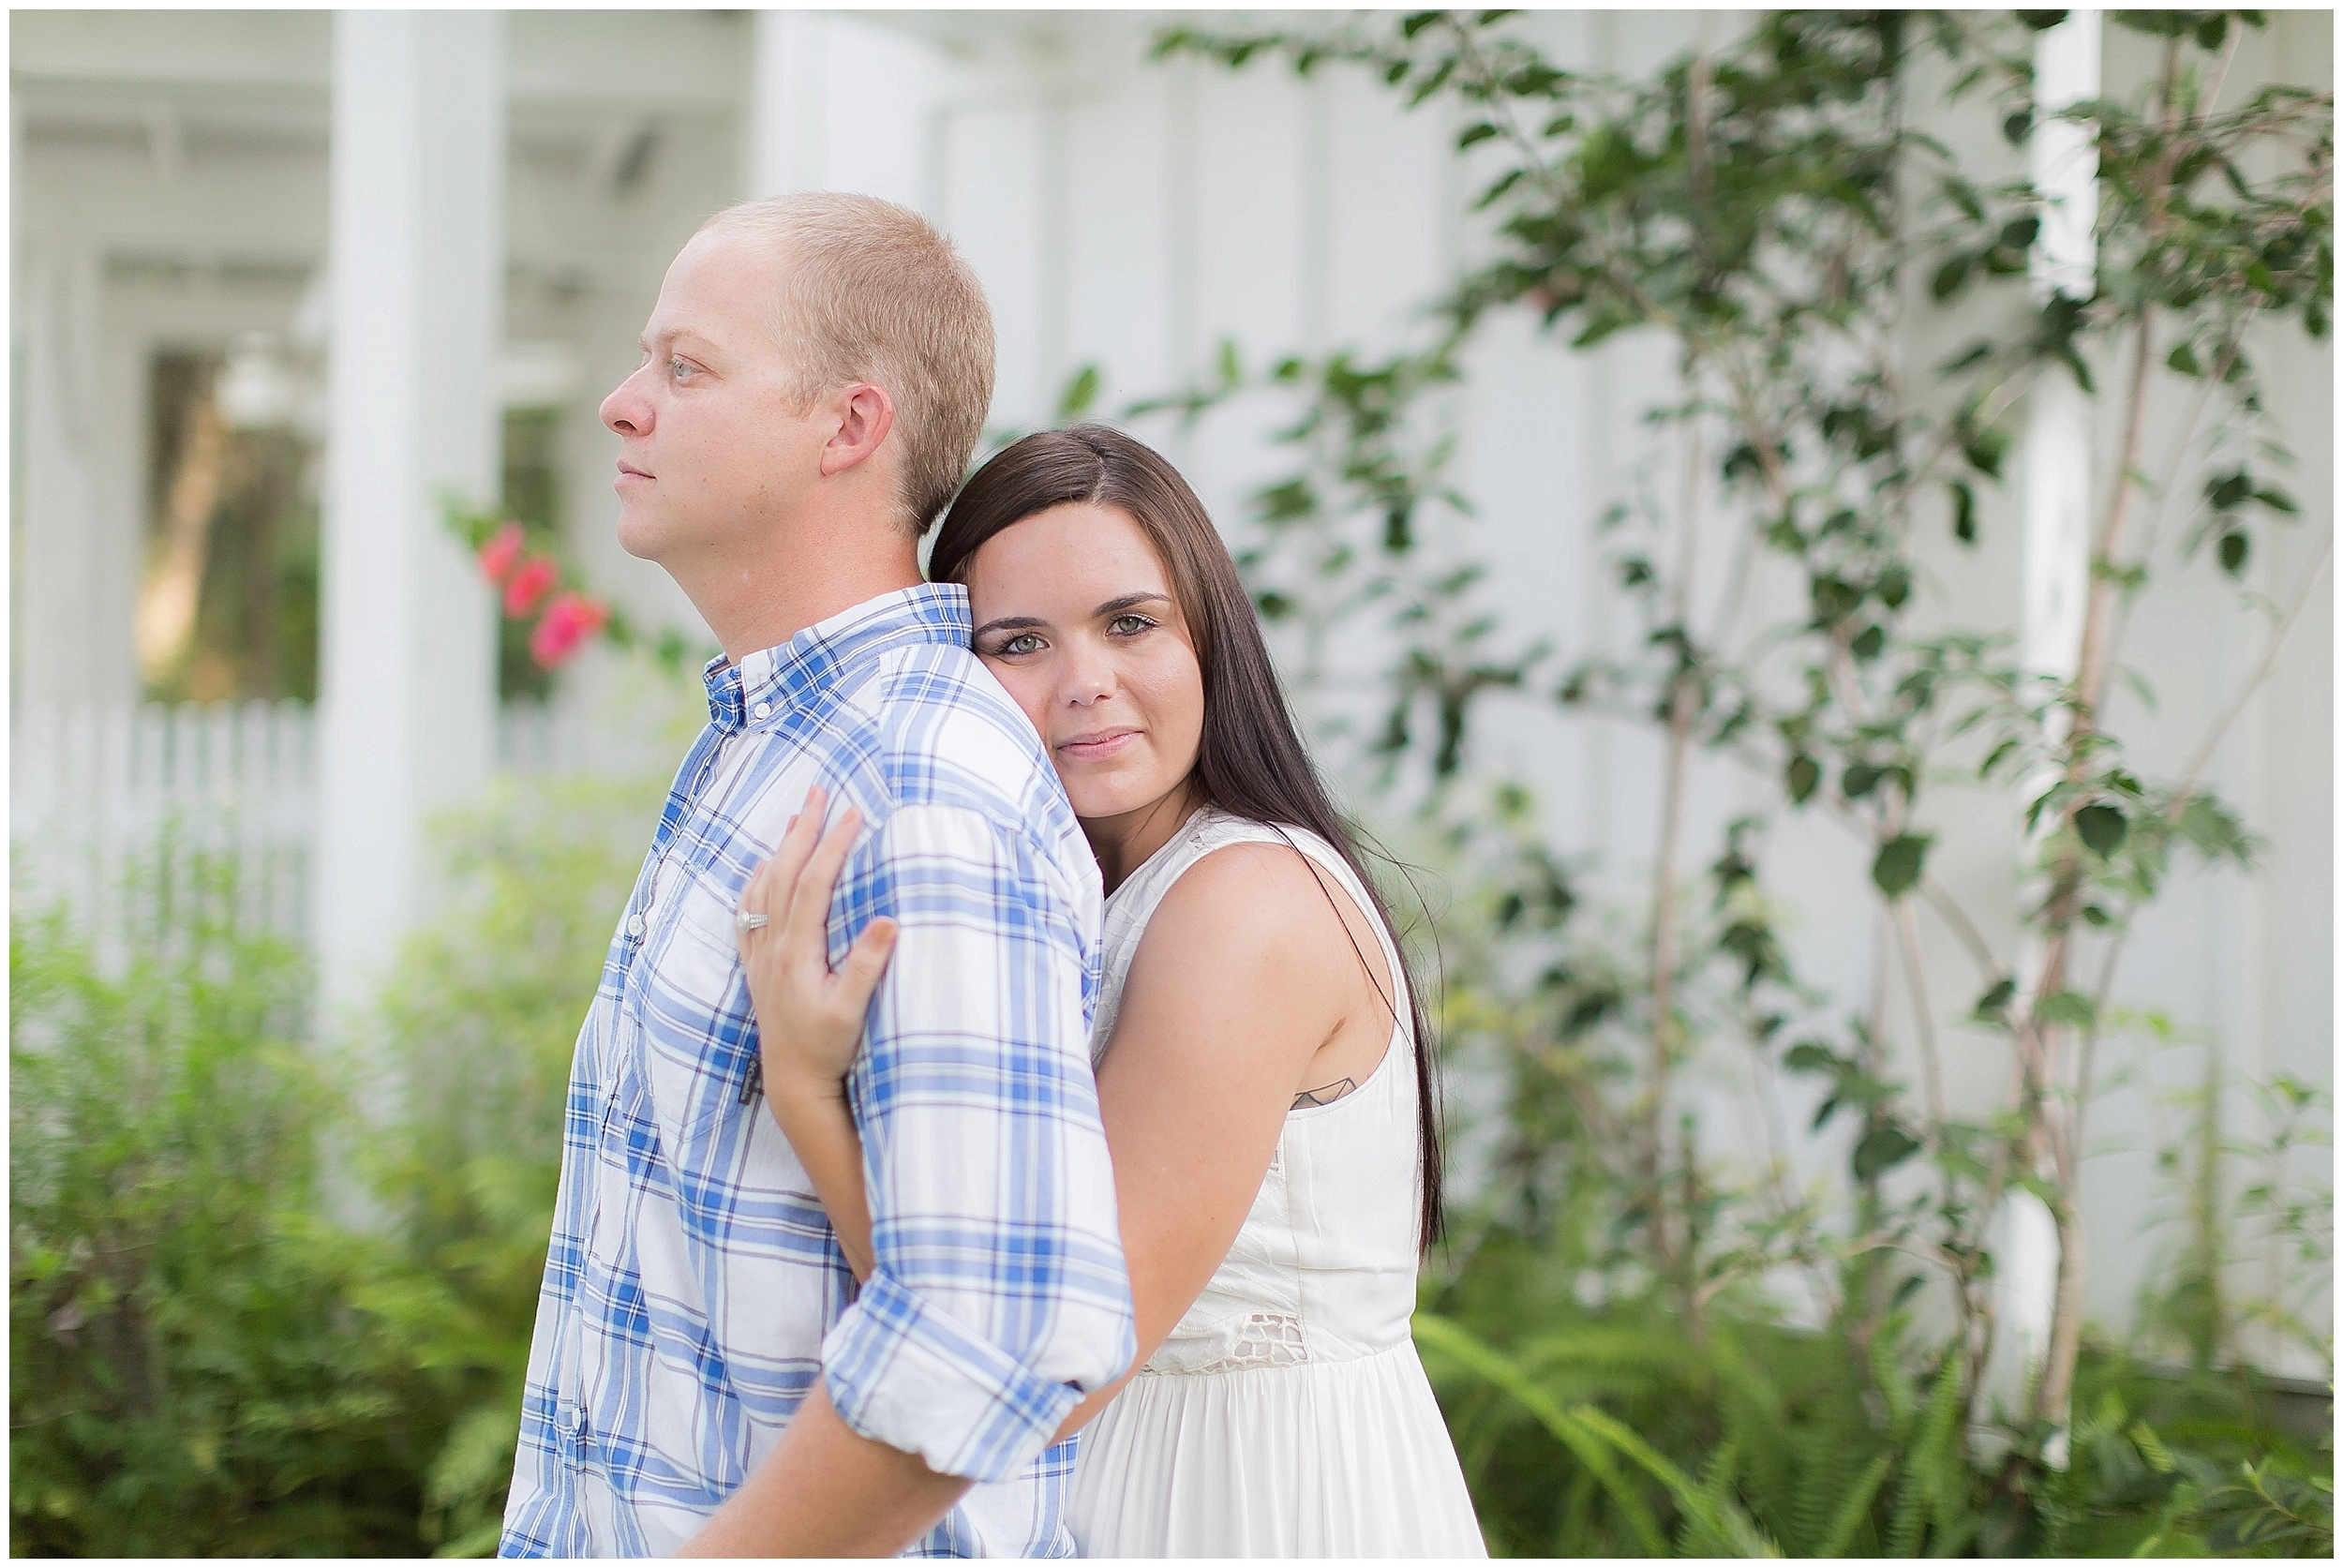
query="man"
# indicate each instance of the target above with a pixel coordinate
(705, 1378)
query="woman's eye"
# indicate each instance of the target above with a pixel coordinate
(1024, 642)
(1128, 626)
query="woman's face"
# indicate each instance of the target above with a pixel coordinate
(1075, 613)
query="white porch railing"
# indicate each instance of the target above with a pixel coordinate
(93, 790)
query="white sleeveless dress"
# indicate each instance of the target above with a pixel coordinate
(1286, 1414)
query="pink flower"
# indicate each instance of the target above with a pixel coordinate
(530, 583)
(499, 554)
(569, 620)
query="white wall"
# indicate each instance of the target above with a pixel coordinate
(1133, 214)
(1129, 214)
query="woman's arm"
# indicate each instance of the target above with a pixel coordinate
(809, 1019)
(820, 1128)
(1243, 976)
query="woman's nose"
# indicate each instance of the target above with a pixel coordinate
(1089, 679)
(626, 412)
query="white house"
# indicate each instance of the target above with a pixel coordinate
(396, 226)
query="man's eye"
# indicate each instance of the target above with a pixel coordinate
(681, 368)
(1128, 626)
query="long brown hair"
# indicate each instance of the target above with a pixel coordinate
(1251, 762)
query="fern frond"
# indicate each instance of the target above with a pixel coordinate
(1854, 1510)
(1440, 1336)
(1723, 1517)
(1920, 1495)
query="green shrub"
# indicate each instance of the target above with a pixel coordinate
(187, 1374)
(272, 1297)
(478, 1026)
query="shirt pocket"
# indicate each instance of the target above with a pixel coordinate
(698, 1032)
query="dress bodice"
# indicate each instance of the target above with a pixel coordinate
(1324, 1267)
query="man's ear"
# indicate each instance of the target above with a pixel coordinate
(865, 414)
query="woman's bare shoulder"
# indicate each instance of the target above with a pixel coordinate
(1250, 904)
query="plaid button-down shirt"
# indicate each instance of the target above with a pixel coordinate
(694, 1290)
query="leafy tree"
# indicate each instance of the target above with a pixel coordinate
(1776, 210)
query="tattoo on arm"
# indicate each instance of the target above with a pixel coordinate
(1326, 1095)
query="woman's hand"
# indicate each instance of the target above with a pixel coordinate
(810, 1018)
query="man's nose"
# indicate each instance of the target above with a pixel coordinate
(626, 410)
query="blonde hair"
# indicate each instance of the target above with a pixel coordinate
(874, 293)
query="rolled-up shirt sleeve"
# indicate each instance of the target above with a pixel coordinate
(998, 1295)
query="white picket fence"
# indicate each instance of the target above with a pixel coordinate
(98, 795)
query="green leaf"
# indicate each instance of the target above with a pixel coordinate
(1805, 773)
(2183, 359)
(1475, 134)
(1963, 196)
(1897, 867)
(1928, 1459)
(2234, 548)
(1811, 1056)
(2214, 832)
(2101, 827)
(1984, 447)
(2066, 1007)
(1996, 997)
(2223, 492)
(1501, 1372)
(1969, 358)
(1724, 1520)
(1882, 1149)
(1081, 391)
(1950, 277)
(1963, 514)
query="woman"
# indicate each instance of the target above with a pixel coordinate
(1257, 1034)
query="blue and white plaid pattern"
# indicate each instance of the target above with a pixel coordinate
(694, 1290)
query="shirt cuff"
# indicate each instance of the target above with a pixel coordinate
(916, 1379)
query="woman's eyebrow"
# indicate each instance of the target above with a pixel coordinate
(1007, 623)
(1131, 601)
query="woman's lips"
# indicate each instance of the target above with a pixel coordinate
(628, 470)
(1105, 743)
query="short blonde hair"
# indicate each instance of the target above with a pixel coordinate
(874, 293)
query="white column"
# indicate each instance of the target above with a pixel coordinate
(72, 628)
(2062, 160)
(408, 640)
(787, 103)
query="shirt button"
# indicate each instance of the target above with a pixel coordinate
(635, 926)
(763, 711)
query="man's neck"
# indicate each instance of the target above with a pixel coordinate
(763, 599)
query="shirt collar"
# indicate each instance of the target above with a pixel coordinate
(775, 679)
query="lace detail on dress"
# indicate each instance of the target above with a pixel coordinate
(1265, 1339)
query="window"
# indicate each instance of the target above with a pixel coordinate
(228, 601)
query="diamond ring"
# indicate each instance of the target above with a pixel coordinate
(746, 920)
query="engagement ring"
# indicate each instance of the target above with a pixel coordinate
(746, 920)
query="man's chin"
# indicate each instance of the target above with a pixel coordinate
(641, 537)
